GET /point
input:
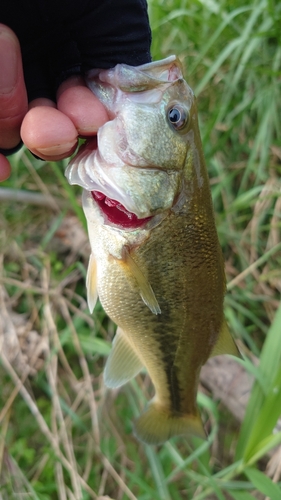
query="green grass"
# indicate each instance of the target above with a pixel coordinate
(62, 434)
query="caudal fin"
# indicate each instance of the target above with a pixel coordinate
(155, 425)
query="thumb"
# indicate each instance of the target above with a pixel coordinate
(13, 96)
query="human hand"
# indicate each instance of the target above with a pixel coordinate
(59, 41)
(50, 130)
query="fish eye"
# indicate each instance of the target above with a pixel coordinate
(178, 116)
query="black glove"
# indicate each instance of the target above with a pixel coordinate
(60, 38)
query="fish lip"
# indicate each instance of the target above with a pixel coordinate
(78, 172)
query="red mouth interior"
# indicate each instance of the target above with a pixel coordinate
(117, 213)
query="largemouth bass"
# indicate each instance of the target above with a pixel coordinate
(156, 262)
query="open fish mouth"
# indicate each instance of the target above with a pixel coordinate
(116, 213)
(126, 196)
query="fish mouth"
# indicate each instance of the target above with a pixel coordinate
(126, 196)
(116, 213)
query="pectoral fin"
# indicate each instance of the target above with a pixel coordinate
(225, 343)
(91, 283)
(122, 363)
(145, 289)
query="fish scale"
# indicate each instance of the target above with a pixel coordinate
(161, 279)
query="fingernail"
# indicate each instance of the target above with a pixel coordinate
(58, 149)
(8, 63)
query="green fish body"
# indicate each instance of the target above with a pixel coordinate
(156, 262)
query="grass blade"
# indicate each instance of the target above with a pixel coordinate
(158, 474)
(263, 484)
(269, 365)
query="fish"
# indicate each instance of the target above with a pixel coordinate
(156, 263)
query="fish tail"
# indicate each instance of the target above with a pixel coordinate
(156, 425)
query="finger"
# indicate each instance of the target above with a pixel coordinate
(48, 132)
(83, 108)
(13, 97)
(5, 168)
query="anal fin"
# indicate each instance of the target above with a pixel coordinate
(225, 343)
(91, 283)
(123, 363)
